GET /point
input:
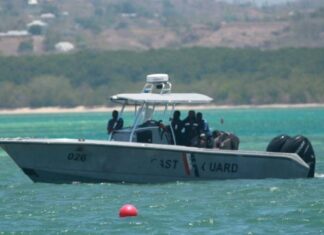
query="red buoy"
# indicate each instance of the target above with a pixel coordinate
(127, 210)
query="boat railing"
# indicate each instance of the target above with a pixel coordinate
(162, 88)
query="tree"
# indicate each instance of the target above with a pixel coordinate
(26, 46)
(35, 29)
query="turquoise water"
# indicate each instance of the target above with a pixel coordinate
(217, 207)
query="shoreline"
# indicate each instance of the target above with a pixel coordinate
(83, 109)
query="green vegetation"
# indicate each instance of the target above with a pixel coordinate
(230, 76)
(26, 46)
(35, 30)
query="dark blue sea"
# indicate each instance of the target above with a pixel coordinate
(270, 206)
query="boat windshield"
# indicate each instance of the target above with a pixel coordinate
(149, 112)
(145, 117)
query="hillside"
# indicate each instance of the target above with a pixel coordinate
(146, 24)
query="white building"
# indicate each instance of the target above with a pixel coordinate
(14, 33)
(64, 46)
(32, 2)
(37, 23)
(47, 16)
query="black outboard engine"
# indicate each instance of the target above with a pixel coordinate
(298, 144)
(276, 143)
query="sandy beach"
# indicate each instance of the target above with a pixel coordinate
(83, 109)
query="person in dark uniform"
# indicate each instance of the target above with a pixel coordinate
(225, 140)
(191, 134)
(114, 123)
(205, 139)
(203, 127)
(177, 126)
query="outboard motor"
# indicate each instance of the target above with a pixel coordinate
(276, 143)
(298, 144)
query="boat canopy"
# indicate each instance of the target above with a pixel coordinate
(161, 99)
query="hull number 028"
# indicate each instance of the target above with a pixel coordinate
(77, 156)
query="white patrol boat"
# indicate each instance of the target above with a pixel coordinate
(147, 152)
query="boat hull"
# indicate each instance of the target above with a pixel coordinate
(72, 160)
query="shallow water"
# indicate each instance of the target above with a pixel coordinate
(208, 207)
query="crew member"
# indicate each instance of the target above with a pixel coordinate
(225, 140)
(190, 129)
(114, 123)
(203, 127)
(177, 126)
